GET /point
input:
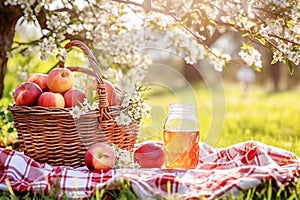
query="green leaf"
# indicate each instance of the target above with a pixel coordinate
(274, 62)
(255, 68)
(112, 19)
(289, 23)
(246, 46)
(245, 34)
(262, 41)
(212, 22)
(290, 67)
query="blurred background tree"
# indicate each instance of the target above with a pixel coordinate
(119, 29)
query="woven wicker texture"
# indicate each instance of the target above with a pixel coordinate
(51, 135)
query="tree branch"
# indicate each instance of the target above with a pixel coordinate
(165, 12)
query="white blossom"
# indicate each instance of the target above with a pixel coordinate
(124, 159)
(218, 59)
(251, 57)
(76, 111)
(123, 119)
(84, 108)
(93, 106)
(85, 102)
(277, 56)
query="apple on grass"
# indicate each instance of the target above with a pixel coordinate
(74, 97)
(27, 94)
(60, 80)
(149, 155)
(51, 99)
(40, 80)
(100, 156)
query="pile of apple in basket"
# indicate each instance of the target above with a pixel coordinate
(56, 90)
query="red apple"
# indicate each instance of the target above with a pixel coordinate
(149, 155)
(118, 99)
(27, 94)
(40, 80)
(60, 80)
(74, 97)
(110, 89)
(111, 92)
(100, 156)
(51, 99)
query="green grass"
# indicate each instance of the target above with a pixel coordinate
(268, 117)
(272, 118)
(267, 191)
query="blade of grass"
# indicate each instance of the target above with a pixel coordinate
(269, 185)
(11, 192)
(99, 193)
(292, 197)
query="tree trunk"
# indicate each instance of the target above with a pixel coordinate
(9, 16)
(276, 75)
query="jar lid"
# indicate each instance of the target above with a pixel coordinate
(182, 108)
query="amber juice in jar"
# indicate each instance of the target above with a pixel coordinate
(181, 137)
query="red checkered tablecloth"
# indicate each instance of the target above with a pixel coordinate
(220, 172)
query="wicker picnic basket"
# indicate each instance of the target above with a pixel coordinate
(53, 136)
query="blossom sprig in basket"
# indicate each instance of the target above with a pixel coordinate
(126, 73)
(133, 107)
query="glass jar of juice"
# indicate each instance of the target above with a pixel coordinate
(181, 137)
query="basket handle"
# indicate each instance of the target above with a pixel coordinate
(101, 91)
(82, 70)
